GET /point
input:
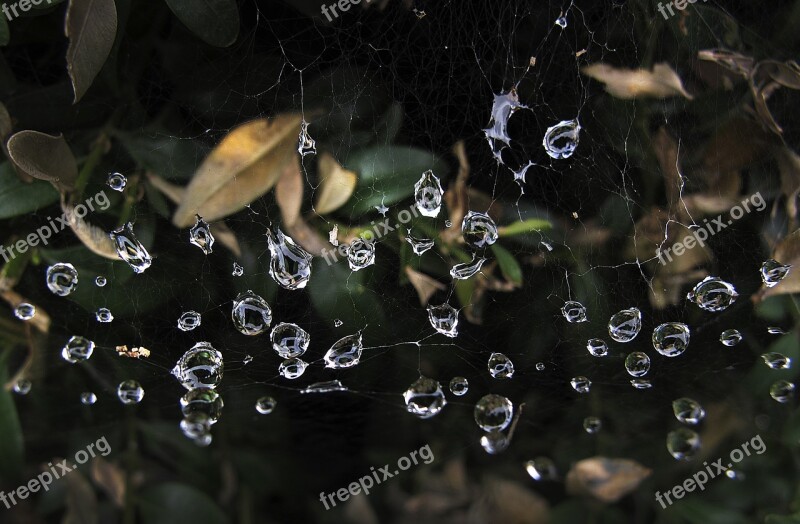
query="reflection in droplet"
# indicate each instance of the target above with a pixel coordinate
(772, 272)
(428, 194)
(200, 235)
(493, 412)
(774, 330)
(265, 405)
(290, 264)
(306, 145)
(104, 315)
(625, 325)
(292, 368)
(360, 254)
(129, 249)
(641, 383)
(713, 294)
(77, 349)
(581, 384)
(466, 270)
(592, 425)
(202, 400)
(200, 367)
(22, 386)
(419, 245)
(782, 391)
(424, 398)
(561, 139)
(540, 366)
(344, 353)
(494, 442)
(130, 392)
(62, 279)
(561, 22)
(777, 360)
(574, 311)
(541, 468)
(503, 106)
(478, 230)
(251, 314)
(189, 320)
(730, 337)
(597, 347)
(100, 281)
(637, 364)
(500, 366)
(444, 319)
(324, 387)
(688, 411)
(459, 386)
(238, 270)
(671, 339)
(88, 398)
(683, 443)
(116, 181)
(289, 340)
(25, 311)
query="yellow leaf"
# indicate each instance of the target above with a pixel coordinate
(607, 480)
(336, 185)
(426, 286)
(289, 192)
(44, 157)
(661, 82)
(92, 236)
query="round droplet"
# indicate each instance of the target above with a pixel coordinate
(130, 392)
(637, 364)
(100, 281)
(500, 366)
(428, 194)
(265, 405)
(688, 411)
(561, 22)
(640, 383)
(625, 325)
(478, 230)
(360, 254)
(77, 349)
(25, 311)
(448, 223)
(444, 319)
(541, 468)
(540, 366)
(424, 398)
(683, 443)
(345, 352)
(671, 339)
(237, 270)
(777, 360)
(200, 235)
(200, 367)
(494, 442)
(772, 272)
(104, 315)
(597, 347)
(782, 391)
(195, 425)
(493, 412)
(22, 386)
(189, 320)
(88, 398)
(202, 400)
(561, 140)
(581, 384)
(251, 314)
(713, 294)
(592, 425)
(292, 368)
(459, 386)
(730, 337)
(574, 311)
(116, 181)
(62, 279)
(289, 340)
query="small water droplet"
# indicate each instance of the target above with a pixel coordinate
(468, 269)
(251, 314)
(200, 235)
(561, 140)
(116, 181)
(592, 425)
(247, 359)
(360, 254)
(597, 347)
(195, 425)
(448, 223)
(104, 315)
(541, 468)
(289, 340)
(25, 311)
(493, 412)
(641, 383)
(777, 360)
(581, 384)
(625, 325)
(306, 145)
(683, 443)
(130, 392)
(77, 349)
(100, 281)
(772, 272)
(265, 405)
(237, 270)
(574, 311)
(419, 245)
(380, 209)
(773, 330)
(459, 386)
(88, 398)
(200, 367)
(671, 339)
(688, 411)
(337, 323)
(712, 294)
(782, 391)
(129, 249)
(344, 353)
(444, 319)
(428, 194)
(637, 364)
(540, 366)
(324, 387)
(189, 320)
(494, 442)
(561, 22)
(730, 337)
(22, 386)
(424, 398)
(62, 279)
(500, 366)
(292, 368)
(290, 264)
(478, 230)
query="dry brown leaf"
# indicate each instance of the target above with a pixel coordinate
(41, 320)
(289, 192)
(457, 197)
(110, 478)
(787, 252)
(508, 502)
(244, 166)
(789, 167)
(767, 77)
(81, 499)
(605, 479)
(44, 157)
(425, 285)
(91, 236)
(336, 185)
(661, 82)
(666, 151)
(737, 63)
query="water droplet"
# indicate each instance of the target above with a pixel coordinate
(265, 405)
(337, 323)
(500, 366)
(688, 411)
(130, 392)
(671, 339)
(129, 248)
(561, 139)
(289, 340)
(574, 311)
(200, 235)
(380, 209)
(360, 254)
(104, 315)
(540, 366)
(478, 230)
(77, 349)
(597, 347)
(306, 144)
(292, 368)
(25, 311)
(592, 425)
(22, 386)
(444, 319)
(581, 384)
(733, 474)
(561, 22)
(202, 400)
(640, 383)
(782, 391)
(773, 330)
(493, 412)
(467, 269)
(116, 181)
(344, 353)
(625, 325)
(448, 223)
(251, 314)
(419, 245)
(503, 107)
(777, 361)
(62, 279)
(772, 272)
(100, 281)
(88, 398)
(290, 264)
(683, 443)
(541, 468)
(204, 441)
(424, 398)
(637, 364)
(494, 442)
(713, 294)
(237, 270)
(189, 320)
(459, 386)
(195, 425)
(546, 245)
(200, 367)
(247, 359)
(428, 194)
(324, 387)
(730, 337)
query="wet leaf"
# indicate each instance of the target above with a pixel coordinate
(91, 27)
(606, 479)
(96, 239)
(425, 285)
(661, 82)
(171, 502)
(336, 185)
(216, 22)
(44, 157)
(20, 198)
(244, 166)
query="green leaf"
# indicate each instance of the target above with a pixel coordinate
(5, 32)
(783, 519)
(91, 27)
(170, 157)
(172, 502)
(508, 264)
(11, 445)
(337, 292)
(216, 22)
(19, 198)
(526, 226)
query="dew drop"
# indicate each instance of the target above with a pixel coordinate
(688, 411)
(782, 391)
(561, 22)
(597, 347)
(62, 279)
(116, 181)
(88, 398)
(459, 386)
(772, 272)
(22, 386)
(200, 235)
(195, 425)
(337, 323)
(292, 368)
(640, 383)
(592, 425)
(424, 398)
(428, 194)
(561, 139)
(671, 339)
(200, 367)
(324, 387)
(540, 366)
(773, 330)
(345, 352)
(130, 392)
(683, 443)
(581, 384)
(494, 442)
(290, 264)
(77, 349)
(100, 281)
(500, 366)
(237, 270)
(625, 325)
(419, 245)
(468, 269)
(25, 311)
(541, 468)
(444, 319)
(546, 245)
(777, 360)
(247, 359)
(251, 314)
(129, 249)
(478, 230)
(493, 412)
(289, 340)
(104, 315)
(306, 145)
(730, 337)
(574, 311)
(503, 107)
(380, 209)
(202, 400)
(189, 320)
(360, 254)
(713, 294)
(637, 364)
(265, 405)
(448, 224)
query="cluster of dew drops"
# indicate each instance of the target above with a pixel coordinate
(200, 369)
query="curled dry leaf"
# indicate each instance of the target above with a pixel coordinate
(289, 192)
(425, 285)
(605, 479)
(767, 77)
(505, 501)
(336, 185)
(244, 166)
(91, 236)
(81, 499)
(91, 27)
(44, 157)
(661, 82)
(732, 61)
(110, 478)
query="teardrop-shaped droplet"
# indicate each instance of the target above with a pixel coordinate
(625, 325)
(581, 384)
(444, 319)
(500, 366)
(77, 349)
(360, 254)
(100, 281)
(290, 264)
(459, 386)
(265, 405)
(730, 337)
(671, 339)
(479, 230)
(561, 22)
(683, 443)
(88, 398)
(116, 181)
(345, 352)
(292, 368)
(493, 412)
(251, 314)
(200, 367)
(324, 387)
(503, 107)
(772, 272)
(419, 245)
(104, 315)
(641, 383)
(494, 442)
(688, 411)
(424, 398)
(289, 340)
(713, 294)
(777, 360)
(25, 311)
(597, 347)
(306, 145)
(561, 139)
(782, 391)
(22, 386)
(428, 194)
(592, 425)
(637, 364)
(574, 311)
(130, 392)
(200, 235)
(541, 468)
(237, 270)
(189, 320)
(62, 279)
(202, 400)
(466, 270)
(129, 249)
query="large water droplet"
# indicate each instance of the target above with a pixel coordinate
(116, 181)
(592, 425)
(290, 264)
(88, 398)
(574, 311)
(130, 392)
(344, 353)
(189, 320)
(306, 145)
(360, 254)
(541, 468)
(62, 279)
(22, 386)
(597, 347)
(77, 349)
(195, 425)
(265, 405)
(25, 311)
(561, 139)
(251, 314)
(625, 325)
(493, 412)
(129, 248)
(730, 337)
(772, 272)
(500, 366)
(419, 245)
(713, 294)
(467, 269)
(104, 315)
(495, 442)
(200, 235)
(289, 340)
(424, 398)
(444, 319)
(683, 443)
(777, 360)
(503, 106)
(202, 400)
(324, 387)
(200, 367)
(459, 386)
(292, 368)
(671, 339)
(688, 411)
(581, 384)
(478, 230)
(428, 194)
(782, 391)
(637, 364)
